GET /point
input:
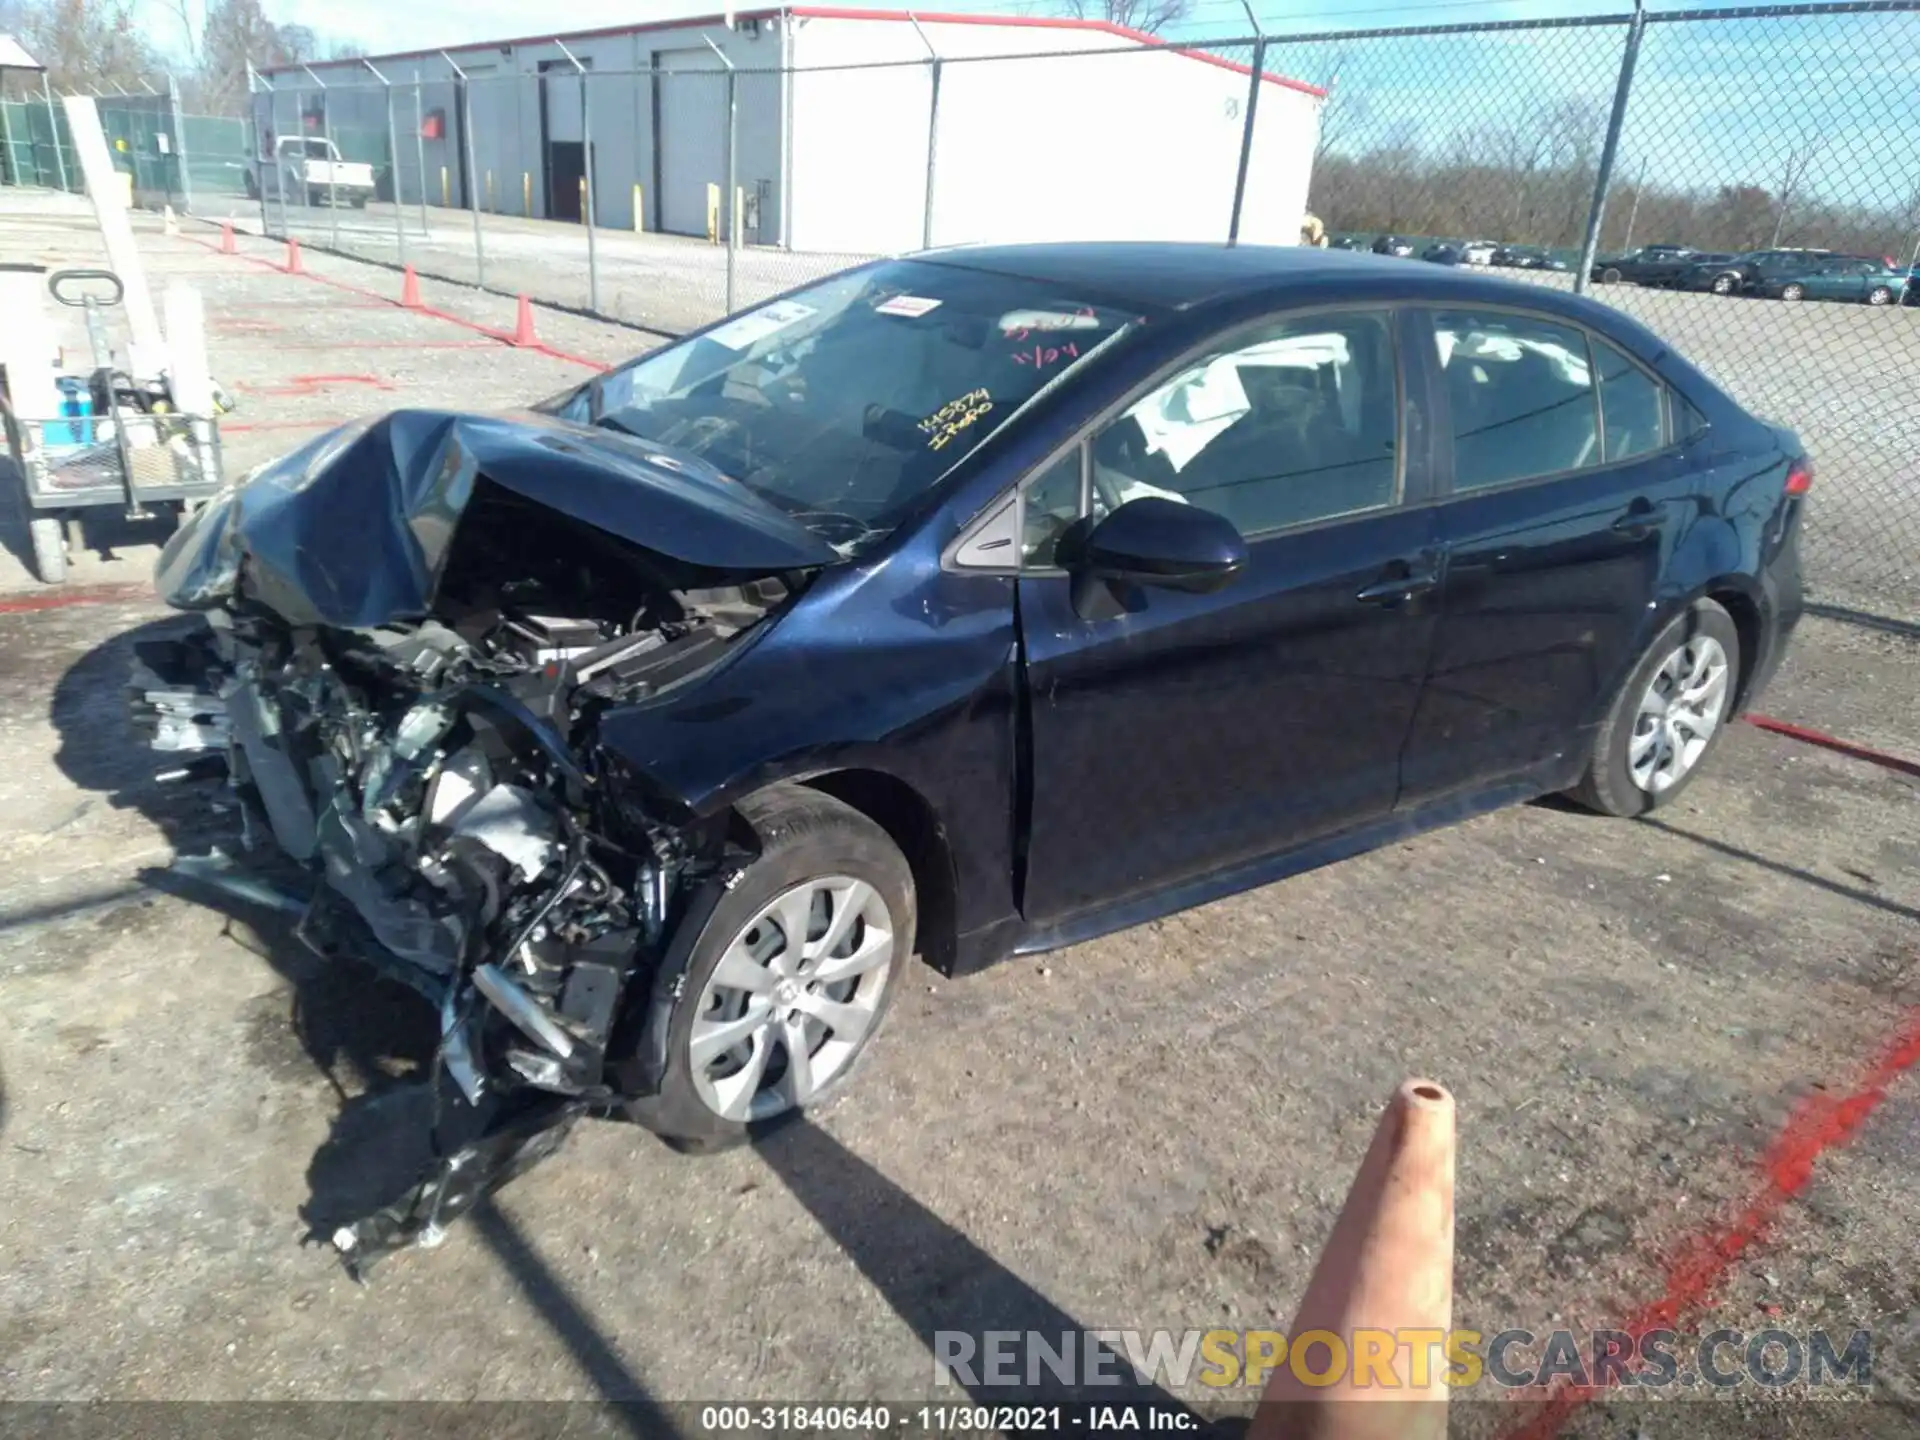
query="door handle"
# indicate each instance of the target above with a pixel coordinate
(1641, 517)
(1396, 589)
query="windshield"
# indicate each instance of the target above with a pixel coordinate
(843, 404)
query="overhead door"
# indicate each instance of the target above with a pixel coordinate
(689, 137)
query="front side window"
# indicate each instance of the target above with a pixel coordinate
(1522, 396)
(1297, 423)
(845, 403)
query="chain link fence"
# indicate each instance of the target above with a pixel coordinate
(1776, 137)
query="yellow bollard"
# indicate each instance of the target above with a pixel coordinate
(490, 204)
(526, 193)
(446, 195)
(639, 209)
(583, 199)
(713, 213)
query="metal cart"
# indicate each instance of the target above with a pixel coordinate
(124, 446)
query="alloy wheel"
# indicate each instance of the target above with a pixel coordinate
(1793, 292)
(793, 999)
(1879, 295)
(1723, 284)
(1684, 704)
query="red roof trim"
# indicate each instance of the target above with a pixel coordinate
(817, 12)
(1051, 22)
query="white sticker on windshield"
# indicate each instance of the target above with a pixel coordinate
(908, 305)
(756, 326)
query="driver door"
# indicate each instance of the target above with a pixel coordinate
(1174, 734)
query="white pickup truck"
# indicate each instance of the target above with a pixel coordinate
(309, 171)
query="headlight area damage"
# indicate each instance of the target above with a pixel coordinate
(413, 630)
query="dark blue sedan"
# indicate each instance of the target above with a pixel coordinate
(964, 605)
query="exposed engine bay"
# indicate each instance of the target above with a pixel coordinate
(436, 781)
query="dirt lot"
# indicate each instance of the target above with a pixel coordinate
(1151, 1131)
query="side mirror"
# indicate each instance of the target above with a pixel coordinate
(1163, 543)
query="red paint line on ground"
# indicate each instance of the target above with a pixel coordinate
(1825, 741)
(75, 595)
(1703, 1261)
(364, 344)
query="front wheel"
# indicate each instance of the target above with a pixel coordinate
(1666, 717)
(1880, 295)
(1725, 284)
(1610, 276)
(1793, 292)
(789, 978)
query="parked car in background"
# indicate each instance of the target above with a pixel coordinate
(1857, 278)
(1478, 252)
(307, 170)
(1527, 257)
(1743, 272)
(1645, 266)
(1349, 242)
(1442, 254)
(1392, 245)
(963, 605)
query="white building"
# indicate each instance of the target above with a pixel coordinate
(1046, 129)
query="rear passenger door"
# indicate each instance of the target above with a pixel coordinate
(1559, 495)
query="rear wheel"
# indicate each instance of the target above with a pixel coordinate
(1610, 276)
(790, 977)
(1666, 717)
(1880, 295)
(49, 536)
(1725, 284)
(1793, 292)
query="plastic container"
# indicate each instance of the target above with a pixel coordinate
(76, 410)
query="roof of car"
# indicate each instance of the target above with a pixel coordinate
(1176, 276)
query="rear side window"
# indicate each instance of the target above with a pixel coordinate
(1522, 396)
(1635, 423)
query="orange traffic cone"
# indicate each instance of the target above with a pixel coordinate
(410, 290)
(226, 238)
(1387, 1269)
(523, 325)
(294, 267)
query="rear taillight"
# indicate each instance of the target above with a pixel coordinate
(1800, 477)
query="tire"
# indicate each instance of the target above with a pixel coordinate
(807, 840)
(1610, 276)
(1610, 785)
(49, 537)
(1793, 292)
(1880, 295)
(1725, 284)
(359, 202)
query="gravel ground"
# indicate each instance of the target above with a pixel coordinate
(1153, 1130)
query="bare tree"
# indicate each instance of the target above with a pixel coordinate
(1793, 175)
(87, 45)
(1152, 16)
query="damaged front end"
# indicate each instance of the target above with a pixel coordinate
(413, 630)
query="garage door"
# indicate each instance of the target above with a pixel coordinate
(690, 137)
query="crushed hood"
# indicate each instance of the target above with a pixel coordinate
(354, 528)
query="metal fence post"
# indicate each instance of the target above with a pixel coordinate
(933, 131)
(1583, 277)
(586, 168)
(179, 143)
(728, 207)
(393, 164)
(53, 129)
(326, 134)
(420, 151)
(1246, 137)
(473, 198)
